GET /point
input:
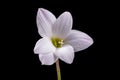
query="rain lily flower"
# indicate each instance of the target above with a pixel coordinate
(58, 40)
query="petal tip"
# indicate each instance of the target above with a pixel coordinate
(91, 41)
(44, 64)
(35, 50)
(70, 62)
(67, 13)
(39, 9)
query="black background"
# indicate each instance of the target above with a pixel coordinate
(89, 16)
(87, 63)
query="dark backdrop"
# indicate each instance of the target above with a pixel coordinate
(87, 63)
(89, 16)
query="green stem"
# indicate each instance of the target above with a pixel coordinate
(58, 70)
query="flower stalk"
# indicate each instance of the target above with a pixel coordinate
(58, 70)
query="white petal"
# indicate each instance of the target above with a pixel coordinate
(78, 40)
(65, 53)
(48, 59)
(63, 25)
(45, 20)
(44, 46)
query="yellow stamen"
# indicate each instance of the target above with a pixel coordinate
(57, 42)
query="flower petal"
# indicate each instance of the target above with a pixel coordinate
(78, 40)
(65, 53)
(63, 25)
(44, 46)
(48, 59)
(45, 20)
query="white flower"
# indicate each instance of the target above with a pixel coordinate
(59, 40)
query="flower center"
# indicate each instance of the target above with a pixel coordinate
(57, 42)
